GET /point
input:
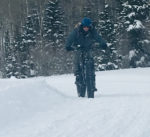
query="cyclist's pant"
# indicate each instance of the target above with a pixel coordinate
(78, 70)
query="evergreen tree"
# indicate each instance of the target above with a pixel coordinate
(53, 34)
(53, 26)
(8, 56)
(16, 45)
(133, 16)
(87, 10)
(109, 59)
(29, 39)
(90, 10)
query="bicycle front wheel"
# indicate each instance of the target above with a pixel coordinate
(89, 80)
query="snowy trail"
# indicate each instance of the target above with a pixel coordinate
(42, 107)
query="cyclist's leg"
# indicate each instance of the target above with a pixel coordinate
(81, 88)
(93, 74)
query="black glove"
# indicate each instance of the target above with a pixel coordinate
(69, 48)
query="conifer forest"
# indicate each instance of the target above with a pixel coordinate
(33, 35)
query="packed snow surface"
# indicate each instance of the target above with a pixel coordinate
(49, 106)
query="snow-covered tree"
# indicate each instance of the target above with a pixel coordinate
(8, 56)
(53, 26)
(90, 10)
(16, 50)
(109, 59)
(53, 34)
(87, 10)
(28, 43)
(133, 16)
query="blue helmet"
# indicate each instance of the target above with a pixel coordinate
(86, 22)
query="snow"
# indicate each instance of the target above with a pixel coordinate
(140, 61)
(49, 106)
(137, 25)
(106, 6)
(146, 41)
(109, 44)
(131, 15)
(126, 4)
(132, 53)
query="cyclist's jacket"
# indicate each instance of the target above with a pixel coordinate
(79, 39)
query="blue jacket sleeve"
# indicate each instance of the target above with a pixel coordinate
(99, 39)
(70, 40)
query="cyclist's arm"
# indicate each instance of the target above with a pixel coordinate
(99, 39)
(70, 40)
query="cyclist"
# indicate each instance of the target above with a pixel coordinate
(81, 40)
